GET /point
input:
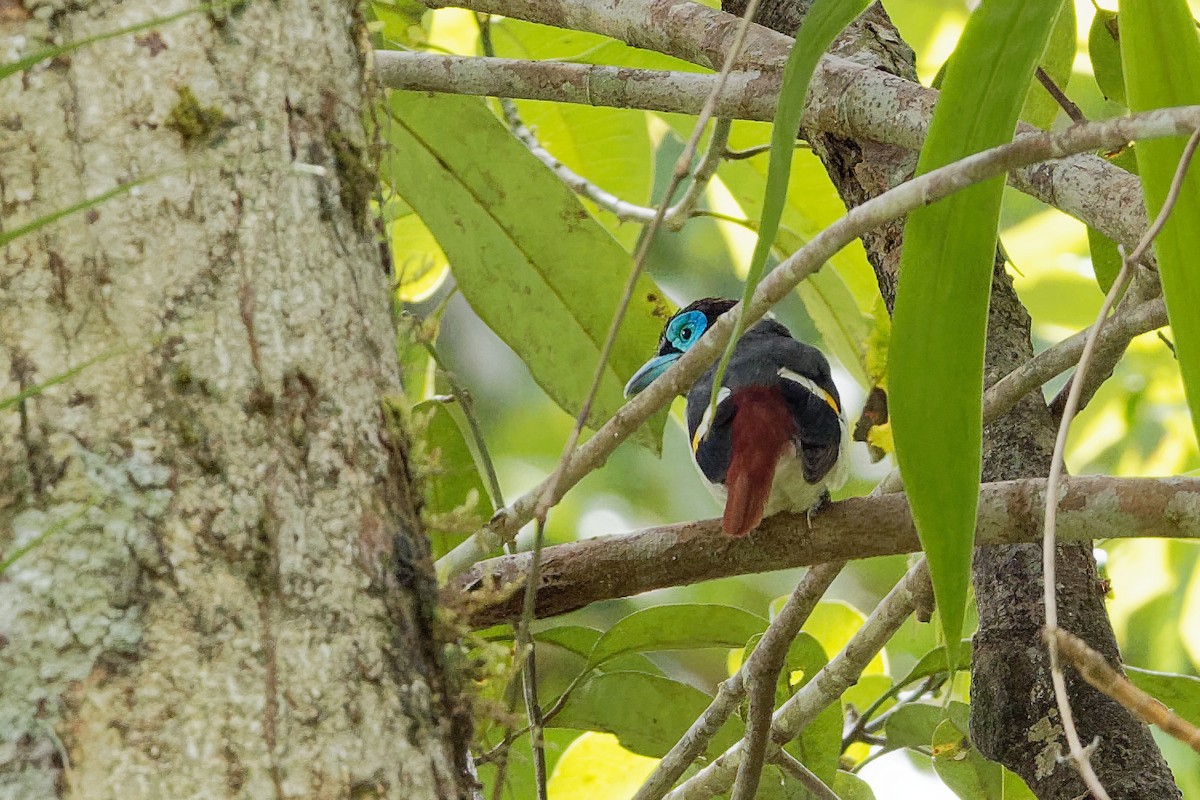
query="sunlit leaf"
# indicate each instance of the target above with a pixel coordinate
(677, 627)
(820, 743)
(1160, 52)
(1040, 107)
(531, 261)
(833, 623)
(596, 767)
(936, 355)
(418, 263)
(400, 21)
(1104, 50)
(648, 713)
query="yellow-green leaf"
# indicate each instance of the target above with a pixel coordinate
(1160, 51)
(531, 261)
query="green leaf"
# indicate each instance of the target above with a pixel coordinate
(1104, 50)
(677, 627)
(912, 725)
(452, 482)
(848, 786)
(611, 150)
(833, 623)
(648, 713)
(936, 355)
(1040, 107)
(530, 260)
(1160, 52)
(1180, 693)
(579, 641)
(967, 773)
(824, 21)
(820, 743)
(934, 662)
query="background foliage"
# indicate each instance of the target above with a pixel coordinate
(516, 283)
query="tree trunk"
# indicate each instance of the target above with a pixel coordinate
(221, 586)
(1013, 715)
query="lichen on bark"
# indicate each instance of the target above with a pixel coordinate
(206, 609)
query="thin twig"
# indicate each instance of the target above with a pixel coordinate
(842, 672)
(802, 774)
(780, 633)
(1096, 671)
(758, 150)
(921, 190)
(1060, 97)
(528, 655)
(549, 496)
(1080, 755)
(463, 398)
(675, 216)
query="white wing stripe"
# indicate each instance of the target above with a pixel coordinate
(810, 385)
(706, 420)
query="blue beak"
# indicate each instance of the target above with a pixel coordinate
(649, 371)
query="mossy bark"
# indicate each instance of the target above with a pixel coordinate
(221, 586)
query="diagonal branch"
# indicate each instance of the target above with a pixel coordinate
(576, 574)
(921, 190)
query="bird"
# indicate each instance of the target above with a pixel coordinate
(778, 439)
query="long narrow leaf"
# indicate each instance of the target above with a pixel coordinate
(936, 358)
(527, 256)
(1161, 55)
(824, 21)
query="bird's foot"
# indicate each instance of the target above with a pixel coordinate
(822, 501)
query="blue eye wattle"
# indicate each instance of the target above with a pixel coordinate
(685, 329)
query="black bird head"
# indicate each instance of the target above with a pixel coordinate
(681, 332)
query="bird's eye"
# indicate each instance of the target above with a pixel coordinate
(686, 333)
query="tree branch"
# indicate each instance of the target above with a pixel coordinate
(1099, 673)
(844, 97)
(842, 672)
(576, 574)
(1113, 339)
(749, 94)
(891, 204)
(778, 636)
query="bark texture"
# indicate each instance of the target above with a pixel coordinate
(221, 585)
(1014, 720)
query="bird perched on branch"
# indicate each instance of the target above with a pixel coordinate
(777, 440)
